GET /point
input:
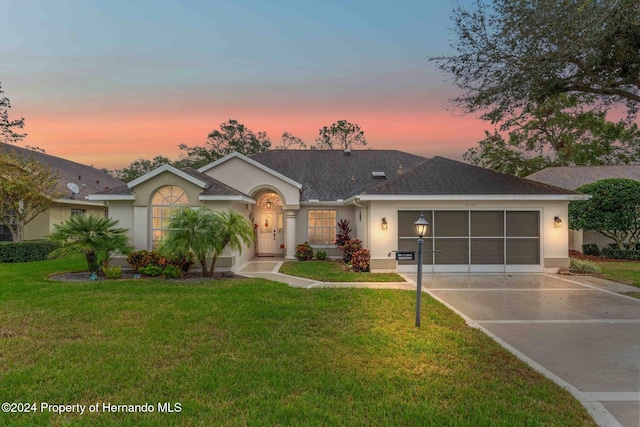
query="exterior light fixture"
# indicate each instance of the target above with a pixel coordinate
(269, 204)
(422, 226)
(557, 222)
(385, 224)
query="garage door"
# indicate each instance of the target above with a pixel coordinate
(474, 241)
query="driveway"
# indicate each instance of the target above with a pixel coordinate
(578, 331)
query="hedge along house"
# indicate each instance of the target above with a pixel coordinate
(479, 220)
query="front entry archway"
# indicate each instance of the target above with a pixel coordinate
(269, 217)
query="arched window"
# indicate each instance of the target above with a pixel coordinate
(164, 202)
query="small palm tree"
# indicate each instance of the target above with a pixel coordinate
(207, 234)
(95, 237)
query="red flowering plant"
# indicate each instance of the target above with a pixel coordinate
(141, 259)
(349, 248)
(304, 252)
(361, 261)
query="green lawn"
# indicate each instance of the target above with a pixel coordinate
(334, 271)
(252, 352)
(623, 272)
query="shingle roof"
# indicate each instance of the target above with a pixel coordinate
(332, 174)
(214, 187)
(572, 177)
(440, 176)
(89, 179)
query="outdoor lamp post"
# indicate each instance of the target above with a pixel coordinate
(421, 230)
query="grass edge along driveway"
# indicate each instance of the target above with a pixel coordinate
(255, 352)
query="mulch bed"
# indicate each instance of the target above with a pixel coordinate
(85, 276)
(580, 255)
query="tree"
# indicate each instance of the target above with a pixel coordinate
(613, 210)
(513, 53)
(8, 127)
(27, 188)
(341, 135)
(289, 140)
(558, 132)
(207, 233)
(140, 167)
(94, 237)
(232, 136)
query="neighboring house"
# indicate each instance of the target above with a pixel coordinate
(572, 177)
(480, 220)
(85, 180)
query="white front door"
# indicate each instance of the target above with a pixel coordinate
(267, 234)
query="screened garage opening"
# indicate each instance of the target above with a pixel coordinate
(474, 240)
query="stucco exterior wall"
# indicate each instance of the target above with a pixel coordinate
(147, 189)
(123, 212)
(342, 212)
(136, 216)
(248, 179)
(553, 241)
(42, 225)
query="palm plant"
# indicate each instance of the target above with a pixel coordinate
(94, 237)
(207, 234)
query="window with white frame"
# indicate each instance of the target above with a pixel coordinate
(164, 202)
(322, 226)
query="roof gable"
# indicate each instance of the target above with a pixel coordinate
(236, 155)
(212, 188)
(171, 169)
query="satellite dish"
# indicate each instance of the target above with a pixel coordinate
(73, 187)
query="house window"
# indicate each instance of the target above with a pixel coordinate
(5, 234)
(78, 211)
(322, 226)
(164, 202)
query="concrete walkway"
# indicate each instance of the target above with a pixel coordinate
(579, 331)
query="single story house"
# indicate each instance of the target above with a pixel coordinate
(480, 220)
(75, 182)
(572, 177)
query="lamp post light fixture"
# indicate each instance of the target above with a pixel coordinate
(269, 204)
(422, 226)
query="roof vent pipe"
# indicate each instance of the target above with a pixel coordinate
(400, 170)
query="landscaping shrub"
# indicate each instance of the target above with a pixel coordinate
(172, 272)
(361, 261)
(615, 253)
(344, 232)
(304, 252)
(27, 251)
(112, 272)
(141, 259)
(151, 270)
(182, 261)
(349, 248)
(321, 255)
(591, 249)
(583, 266)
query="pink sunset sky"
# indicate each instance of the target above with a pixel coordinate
(106, 83)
